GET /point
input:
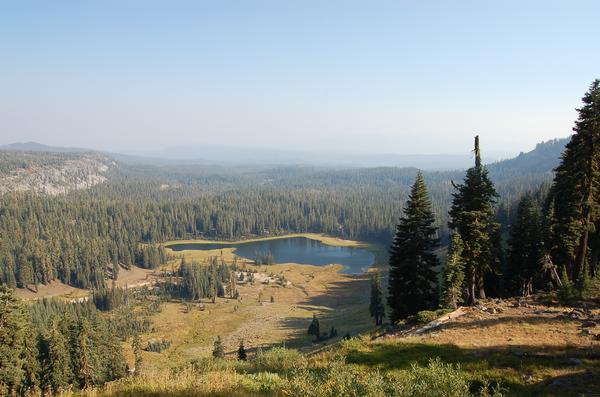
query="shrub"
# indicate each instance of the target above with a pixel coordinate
(277, 359)
(218, 348)
(263, 383)
(435, 379)
(338, 378)
(335, 379)
(158, 345)
(427, 316)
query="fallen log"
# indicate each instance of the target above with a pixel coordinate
(438, 322)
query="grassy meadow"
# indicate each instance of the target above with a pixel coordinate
(265, 315)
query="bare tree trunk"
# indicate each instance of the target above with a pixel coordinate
(556, 278)
(471, 300)
(481, 287)
(580, 263)
(481, 292)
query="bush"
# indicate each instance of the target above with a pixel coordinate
(338, 378)
(335, 379)
(435, 379)
(277, 359)
(427, 316)
(158, 346)
(263, 383)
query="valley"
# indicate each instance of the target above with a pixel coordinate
(299, 199)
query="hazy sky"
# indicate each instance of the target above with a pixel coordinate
(372, 76)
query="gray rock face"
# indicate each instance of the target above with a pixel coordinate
(52, 173)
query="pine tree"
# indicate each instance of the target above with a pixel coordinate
(376, 306)
(218, 348)
(137, 353)
(472, 216)
(412, 277)
(314, 328)
(13, 326)
(242, 352)
(526, 250)
(57, 363)
(87, 356)
(575, 192)
(454, 274)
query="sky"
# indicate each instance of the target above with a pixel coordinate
(357, 76)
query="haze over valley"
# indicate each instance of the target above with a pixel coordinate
(299, 198)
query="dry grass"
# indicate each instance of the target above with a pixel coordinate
(313, 236)
(339, 300)
(133, 277)
(52, 289)
(533, 349)
(530, 349)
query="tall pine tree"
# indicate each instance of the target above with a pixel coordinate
(454, 274)
(14, 338)
(575, 192)
(412, 277)
(376, 306)
(472, 216)
(57, 360)
(526, 250)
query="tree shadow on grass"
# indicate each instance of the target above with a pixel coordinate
(523, 319)
(514, 367)
(344, 306)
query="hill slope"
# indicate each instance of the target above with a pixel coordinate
(51, 173)
(541, 160)
(516, 347)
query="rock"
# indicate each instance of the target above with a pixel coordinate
(587, 332)
(588, 324)
(558, 383)
(574, 361)
(576, 314)
(529, 378)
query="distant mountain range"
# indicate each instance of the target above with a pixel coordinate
(39, 147)
(543, 158)
(125, 158)
(36, 167)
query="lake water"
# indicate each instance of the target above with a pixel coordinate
(300, 250)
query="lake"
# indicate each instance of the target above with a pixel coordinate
(299, 250)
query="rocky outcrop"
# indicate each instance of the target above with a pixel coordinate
(52, 173)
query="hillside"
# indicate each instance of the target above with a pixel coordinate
(51, 173)
(541, 160)
(40, 147)
(513, 347)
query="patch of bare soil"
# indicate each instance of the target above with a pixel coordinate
(54, 288)
(134, 277)
(525, 322)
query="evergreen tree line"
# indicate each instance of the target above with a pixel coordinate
(85, 237)
(53, 346)
(552, 232)
(195, 281)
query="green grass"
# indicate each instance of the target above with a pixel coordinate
(520, 373)
(283, 372)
